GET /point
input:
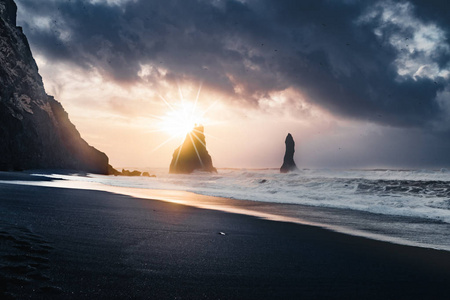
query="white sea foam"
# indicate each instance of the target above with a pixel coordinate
(412, 193)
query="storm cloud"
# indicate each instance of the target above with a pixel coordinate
(385, 62)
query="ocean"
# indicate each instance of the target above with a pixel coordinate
(402, 206)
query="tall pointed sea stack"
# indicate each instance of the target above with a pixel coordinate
(35, 131)
(288, 162)
(192, 154)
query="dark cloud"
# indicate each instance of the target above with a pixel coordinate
(407, 148)
(342, 55)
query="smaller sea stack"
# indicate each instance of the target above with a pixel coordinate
(288, 162)
(192, 154)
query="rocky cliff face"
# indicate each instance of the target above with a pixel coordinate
(35, 131)
(288, 162)
(192, 154)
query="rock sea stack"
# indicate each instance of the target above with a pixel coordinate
(288, 162)
(35, 131)
(192, 154)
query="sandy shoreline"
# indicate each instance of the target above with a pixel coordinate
(417, 232)
(68, 243)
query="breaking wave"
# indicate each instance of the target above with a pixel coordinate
(417, 193)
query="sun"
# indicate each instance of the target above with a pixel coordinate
(183, 115)
(182, 118)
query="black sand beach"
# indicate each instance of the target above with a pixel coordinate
(58, 243)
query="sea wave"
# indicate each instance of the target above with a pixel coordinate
(410, 193)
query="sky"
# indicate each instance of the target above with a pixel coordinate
(358, 84)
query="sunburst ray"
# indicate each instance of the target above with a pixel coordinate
(196, 151)
(182, 118)
(166, 102)
(198, 139)
(196, 98)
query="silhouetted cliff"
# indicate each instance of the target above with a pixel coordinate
(192, 154)
(35, 131)
(288, 162)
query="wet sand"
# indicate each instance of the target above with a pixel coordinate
(59, 243)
